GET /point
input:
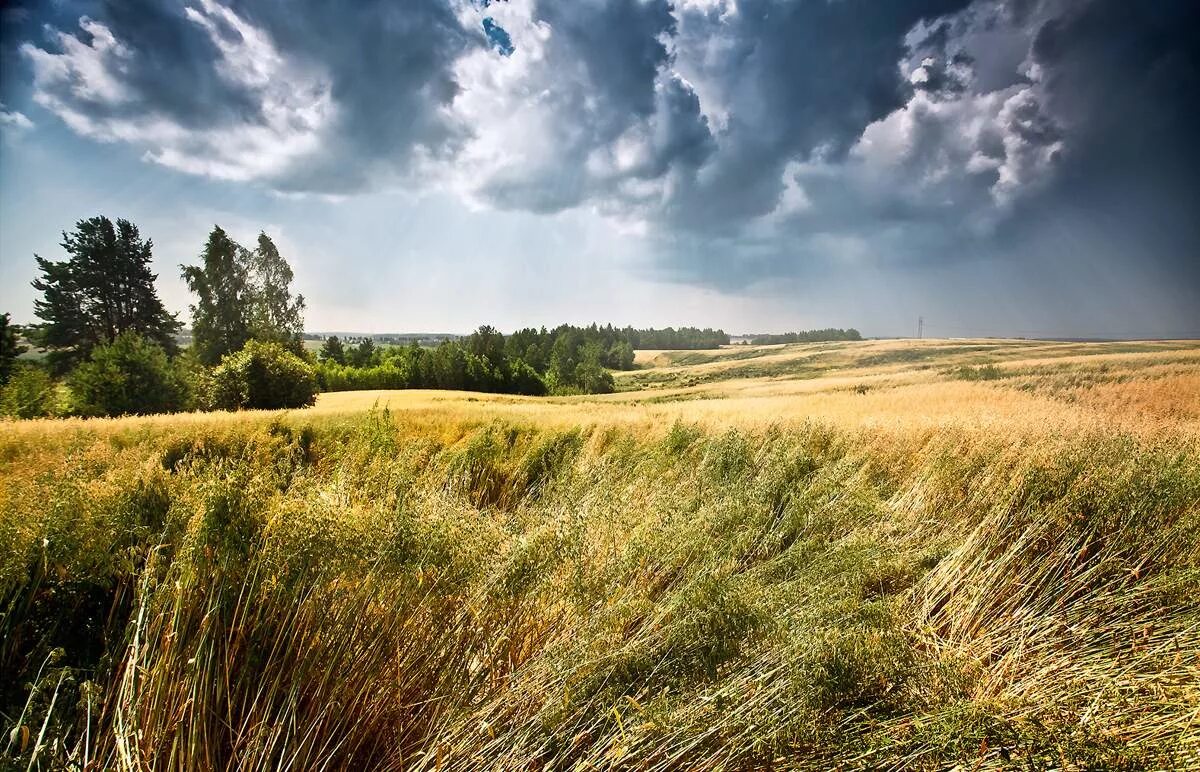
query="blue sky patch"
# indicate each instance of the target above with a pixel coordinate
(498, 37)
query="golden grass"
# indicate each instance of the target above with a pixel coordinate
(917, 554)
(1145, 395)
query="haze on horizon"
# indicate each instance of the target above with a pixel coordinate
(999, 167)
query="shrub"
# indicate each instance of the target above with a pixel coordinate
(29, 393)
(264, 376)
(197, 381)
(525, 380)
(594, 379)
(130, 376)
(981, 373)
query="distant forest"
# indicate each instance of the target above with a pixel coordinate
(563, 360)
(807, 336)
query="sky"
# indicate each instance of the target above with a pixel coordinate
(997, 167)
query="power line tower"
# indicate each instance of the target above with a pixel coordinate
(920, 327)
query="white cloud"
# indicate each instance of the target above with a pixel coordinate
(14, 121)
(944, 145)
(90, 86)
(547, 130)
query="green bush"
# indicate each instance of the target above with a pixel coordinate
(981, 373)
(130, 376)
(197, 380)
(29, 393)
(263, 376)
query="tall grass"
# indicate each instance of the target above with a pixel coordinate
(363, 592)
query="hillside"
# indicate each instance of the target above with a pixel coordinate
(880, 554)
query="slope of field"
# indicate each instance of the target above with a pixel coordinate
(920, 554)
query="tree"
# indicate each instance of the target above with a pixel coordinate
(275, 314)
(564, 356)
(130, 376)
(620, 356)
(221, 316)
(523, 379)
(263, 375)
(242, 295)
(488, 343)
(363, 355)
(104, 288)
(590, 375)
(333, 351)
(10, 348)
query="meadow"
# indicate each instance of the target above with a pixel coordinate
(924, 554)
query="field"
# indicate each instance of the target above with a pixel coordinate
(923, 554)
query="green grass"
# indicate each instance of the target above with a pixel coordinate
(378, 592)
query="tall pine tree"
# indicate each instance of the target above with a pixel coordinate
(103, 289)
(221, 315)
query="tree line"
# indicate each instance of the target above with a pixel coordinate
(808, 336)
(566, 359)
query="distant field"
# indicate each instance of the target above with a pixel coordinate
(928, 554)
(1041, 386)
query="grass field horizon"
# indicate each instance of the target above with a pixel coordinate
(888, 554)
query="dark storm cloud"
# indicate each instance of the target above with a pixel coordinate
(750, 141)
(1124, 78)
(245, 90)
(590, 111)
(1034, 134)
(620, 43)
(168, 67)
(790, 78)
(1124, 81)
(389, 65)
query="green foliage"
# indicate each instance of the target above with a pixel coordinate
(105, 288)
(620, 355)
(242, 295)
(263, 376)
(452, 365)
(130, 376)
(674, 338)
(10, 348)
(29, 393)
(197, 380)
(565, 360)
(537, 347)
(590, 377)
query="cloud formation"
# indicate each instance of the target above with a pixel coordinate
(764, 135)
(14, 121)
(312, 100)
